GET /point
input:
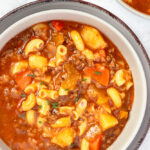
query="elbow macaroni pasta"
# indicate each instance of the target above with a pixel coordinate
(61, 52)
(30, 117)
(65, 110)
(84, 144)
(44, 106)
(82, 127)
(33, 46)
(46, 79)
(119, 77)
(115, 96)
(77, 40)
(29, 103)
(45, 93)
(80, 108)
(31, 88)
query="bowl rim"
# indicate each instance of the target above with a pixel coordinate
(146, 118)
(133, 10)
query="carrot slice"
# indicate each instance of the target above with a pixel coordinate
(58, 25)
(96, 143)
(23, 79)
(98, 73)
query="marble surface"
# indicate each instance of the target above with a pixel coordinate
(139, 25)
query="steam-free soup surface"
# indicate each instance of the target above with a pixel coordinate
(63, 86)
(140, 5)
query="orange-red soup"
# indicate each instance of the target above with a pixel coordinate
(63, 85)
(140, 5)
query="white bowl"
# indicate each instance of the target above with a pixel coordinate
(136, 12)
(140, 98)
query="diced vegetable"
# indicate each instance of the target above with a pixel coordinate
(58, 38)
(96, 143)
(82, 127)
(100, 94)
(107, 121)
(93, 132)
(62, 122)
(106, 108)
(129, 84)
(41, 30)
(88, 54)
(64, 138)
(123, 77)
(115, 96)
(58, 25)
(93, 38)
(23, 79)
(38, 62)
(19, 67)
(84, 144)
(72, 77)
(123, 114)
(98, 73)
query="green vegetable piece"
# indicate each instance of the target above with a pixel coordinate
(96, 72)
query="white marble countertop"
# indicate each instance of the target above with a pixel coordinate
(139, 25)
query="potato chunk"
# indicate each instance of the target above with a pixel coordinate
(100, 94)
(72, 77)
(64, 138)
(38, 62)
(19, 67)
(107, 121)
(41, 30)
(115, 96)
(93, 38)
(123, 77)
(62, 122)
(123, 114)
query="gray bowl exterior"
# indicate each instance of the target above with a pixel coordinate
(43, 5)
